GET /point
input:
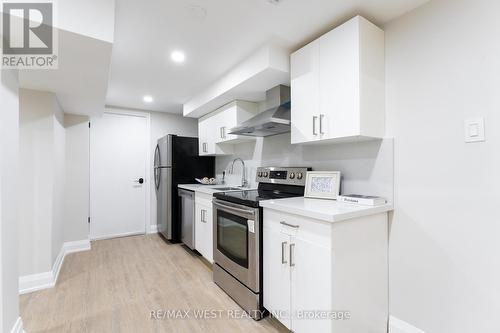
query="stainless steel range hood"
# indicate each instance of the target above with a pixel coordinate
(275, 120)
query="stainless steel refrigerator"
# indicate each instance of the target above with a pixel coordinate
(176, 161)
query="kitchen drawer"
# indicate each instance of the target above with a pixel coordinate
(203, 198)
(298, 226)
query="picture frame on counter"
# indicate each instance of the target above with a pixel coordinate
(323, 184)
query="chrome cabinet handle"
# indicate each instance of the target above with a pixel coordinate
(205, 149)
(321, 116)
(223, 132)
(289, 225)
(283, 247)
(292, 251)
(314, 125)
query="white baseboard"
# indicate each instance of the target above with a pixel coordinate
(398, 326)
(34, 282)
(18, 326)
(76, 246)
(153, 229)
(126, 234)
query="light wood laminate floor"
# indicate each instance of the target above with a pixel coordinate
(115, 286)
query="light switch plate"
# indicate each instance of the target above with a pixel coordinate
(474, 130)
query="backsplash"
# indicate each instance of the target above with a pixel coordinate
(367, 167)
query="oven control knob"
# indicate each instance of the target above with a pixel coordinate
(260, 174)
(292, 175)
(266, 174)
(299, 175)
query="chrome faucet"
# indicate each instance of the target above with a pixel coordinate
(244, 182)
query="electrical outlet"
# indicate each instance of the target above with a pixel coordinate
(474, 130)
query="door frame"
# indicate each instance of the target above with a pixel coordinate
(147, 176)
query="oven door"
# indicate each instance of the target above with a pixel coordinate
(237, 241)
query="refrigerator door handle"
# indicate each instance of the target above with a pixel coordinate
(157, 157)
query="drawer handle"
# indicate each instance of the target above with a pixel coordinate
(289, 225)
(283, 247)
(292, 251)
(314, 125)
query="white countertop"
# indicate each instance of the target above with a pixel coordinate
(325, 210)
(209, 189)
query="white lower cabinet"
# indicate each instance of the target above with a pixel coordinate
(311, 294)
(297, 272)
(315, 271)
(203, 226)
(276, 273)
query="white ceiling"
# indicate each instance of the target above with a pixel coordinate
(147, 31)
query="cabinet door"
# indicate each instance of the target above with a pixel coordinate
(226, 120)
(208, 237)
(203, 231)
(276, 273)
(199, 229)
(305, 93)
(204, 136)
(311, 281)
(339, 89)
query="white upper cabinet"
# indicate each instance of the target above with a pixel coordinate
(305, 93)
(232, 115)
(214, 128)
(338, 85)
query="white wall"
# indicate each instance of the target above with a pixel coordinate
(163, 124)
(443, 65)
(76, 199)
(366, 166)
(41, 200)
(35, 202)
(59, 146)
(9, 176)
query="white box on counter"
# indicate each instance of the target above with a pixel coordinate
(364, 200)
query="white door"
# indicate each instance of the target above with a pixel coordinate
(206, 136)
(203, 231)
(311, 273)
(118, 159)
(276, 272)
(339, 81)
(305, 93)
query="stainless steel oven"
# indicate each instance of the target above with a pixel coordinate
(237, 241)
(237, 253)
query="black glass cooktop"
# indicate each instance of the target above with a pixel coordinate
(251, 198)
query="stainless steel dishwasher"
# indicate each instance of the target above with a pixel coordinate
(187, 213)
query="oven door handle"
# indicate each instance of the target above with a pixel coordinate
(233, 209)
